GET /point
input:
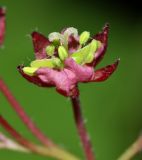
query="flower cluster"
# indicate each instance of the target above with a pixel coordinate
(67, 58)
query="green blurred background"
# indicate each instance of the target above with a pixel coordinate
(112, 109)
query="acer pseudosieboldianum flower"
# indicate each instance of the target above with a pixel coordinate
(2, 24)
(65, 59)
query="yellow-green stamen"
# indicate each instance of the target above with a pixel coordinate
(50, 50)
(84, 37)
(29, 70)
(63, 54)
(49, 63)
(81, 56)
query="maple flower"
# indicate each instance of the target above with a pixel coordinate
(67, 58)
(2, 24)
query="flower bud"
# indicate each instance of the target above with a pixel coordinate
(50, 50)
(63, 54)
(29, 70)
(84, 37)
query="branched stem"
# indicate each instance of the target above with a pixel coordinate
(81, 129)
(22, 114)
(52, 151)
(134, 149)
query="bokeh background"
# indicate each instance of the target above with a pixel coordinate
(113, 109)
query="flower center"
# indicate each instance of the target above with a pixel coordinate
(58, 51)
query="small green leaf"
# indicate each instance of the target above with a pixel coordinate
(29, 70)
(63, 54)
(84, 37)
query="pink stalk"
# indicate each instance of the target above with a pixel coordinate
(2, 25)
(22, 114)
(53, 151)
(87, 146)
(14, 133)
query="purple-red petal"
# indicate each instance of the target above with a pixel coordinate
(103, 38)
(2, 25)
(40, 42)
(64, 80)
(83, 73)
(33, 79)
(73, 44)
(104, 73)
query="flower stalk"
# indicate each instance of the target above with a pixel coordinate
(2, 25)
(80, 124)
(50, 150)
(44, 151)
(134, 149)
(22, 114)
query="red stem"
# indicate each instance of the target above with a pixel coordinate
(19, 138)
(81, 129)
(24, 117)
(51, 151)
